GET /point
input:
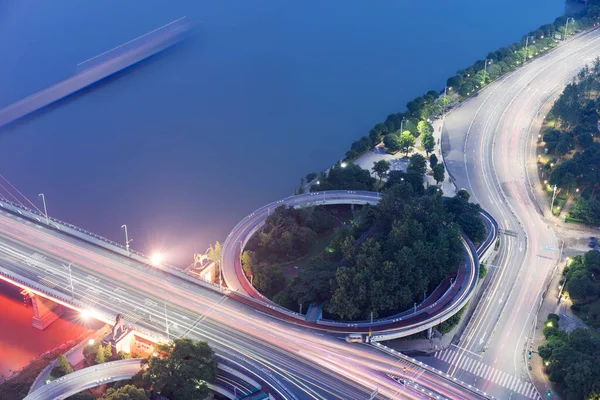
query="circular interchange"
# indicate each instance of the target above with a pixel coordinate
(448, 300)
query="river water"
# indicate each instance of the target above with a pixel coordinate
(265, 91)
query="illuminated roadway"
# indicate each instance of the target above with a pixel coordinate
(87, 378)
(296, 362)
(489, 144)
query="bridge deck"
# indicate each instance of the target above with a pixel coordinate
(105, 65)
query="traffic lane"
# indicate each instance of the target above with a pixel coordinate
(111, 265)
(86, 378)
(157, 316)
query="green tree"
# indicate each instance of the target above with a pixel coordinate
(433, 160)
(127, 392)
(100, 357)
(445, 101)
(311, 177)
(381, 168)
(181, 370)
(391, 142)
(438, 173)
(428, 143)
(63, 367)
(424, 128)
(123, 355)
(247, 261)
(472, 226)
(406, 142)
(108, 351)
(418, 164)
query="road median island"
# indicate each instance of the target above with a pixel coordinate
(460, 291)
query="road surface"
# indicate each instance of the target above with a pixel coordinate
(296, 362)
(489, 148)
(86, 378)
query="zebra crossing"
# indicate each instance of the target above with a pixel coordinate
(487, 372)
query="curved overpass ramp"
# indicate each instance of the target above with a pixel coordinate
(428, 314)
(87, 378)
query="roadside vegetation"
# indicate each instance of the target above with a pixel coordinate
(381, 261)
(399, 130)
(571, 360)
(582, 285)
(571, 143)
(181, 369)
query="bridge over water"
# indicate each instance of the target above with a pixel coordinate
(98, 68)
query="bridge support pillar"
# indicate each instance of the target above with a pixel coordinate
(429, 333)
(45, 311)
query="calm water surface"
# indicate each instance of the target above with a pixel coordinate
(184, 146)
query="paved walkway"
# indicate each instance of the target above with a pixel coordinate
(399, 161)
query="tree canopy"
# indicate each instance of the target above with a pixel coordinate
(181, 370)
(127, 392)
(345, 176)
(572, 361)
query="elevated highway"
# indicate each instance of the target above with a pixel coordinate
(229, 381)
(87, 378)
(296, 363)
(97, 69)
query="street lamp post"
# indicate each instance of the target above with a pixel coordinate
(45, 209)
(566, 25)
(71, 280)
(553, 197)
(402, 126)
(127, 240)
(526, 43)
(485, 70)
(167, 322)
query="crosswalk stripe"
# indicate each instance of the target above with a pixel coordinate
(526, 390)
(455, 358)
(436, 354)
(516, 384)
(444, 355)
(447, 356)
(495, 375)
(479, 368)
(520, 387)
(469, 364)
(511, 384)
(452, 358)
(487, 372)
(506, 379)
(532, 392)
(463, 362)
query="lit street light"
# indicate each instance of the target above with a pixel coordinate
(70, 279)
(553, 198)
(156, 259)
(45, 210)
(127, 240)
(344, 164)
(86, 314)
(485, 69)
